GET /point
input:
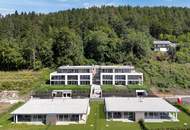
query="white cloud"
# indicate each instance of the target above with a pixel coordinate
(4, 11)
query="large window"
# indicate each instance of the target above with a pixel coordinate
(66, 117)
(74, 117)
(57, 82)
(156, 115)
(84, 82)
(82, 77)
(58, 77)
(38, 118)
(122, 70)
(133, 82)
(72, 82)
(107, 77)
(62, 71)
(119, 82)
(84, 71)
(60, 117)
(107, 82)
(120, 77)
(24, 118)
(134, 77)
(72, 71)
(72, 77)
(117, 115)
(129, 115)
(107, 70)
(164, 115)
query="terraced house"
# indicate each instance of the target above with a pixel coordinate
(134, 109)
(101, 75)
(53, 111)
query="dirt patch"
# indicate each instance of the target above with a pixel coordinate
(4, 107)
(169, 92)
(9, 95)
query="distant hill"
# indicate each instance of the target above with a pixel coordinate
(106, 35)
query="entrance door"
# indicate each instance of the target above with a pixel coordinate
(51, 119)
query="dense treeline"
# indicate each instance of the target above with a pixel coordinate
(106, 35)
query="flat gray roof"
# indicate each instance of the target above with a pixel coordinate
(75, 67)
(135, 104)
(53, 106)
(96, 66)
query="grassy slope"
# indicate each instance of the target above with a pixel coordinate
(23, 81)
(165, 75)
(4, 117)
(187, 106)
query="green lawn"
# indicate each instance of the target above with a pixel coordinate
(96, 121)
(187, 106)
(113, 88)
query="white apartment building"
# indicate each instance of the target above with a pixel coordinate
(101, 75)
(120, 75)
(72, 75)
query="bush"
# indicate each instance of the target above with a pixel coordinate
(142, 125)
(185, 110)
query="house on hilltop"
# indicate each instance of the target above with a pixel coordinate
(163, 46)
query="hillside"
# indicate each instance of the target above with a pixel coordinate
(106, 35)
(23, 81)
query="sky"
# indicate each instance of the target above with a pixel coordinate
(46, 6)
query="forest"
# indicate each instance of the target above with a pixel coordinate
(106, 35)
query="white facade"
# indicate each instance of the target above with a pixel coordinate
(53, 111)
(70, 78)
(163, 46)
(121, 78)
(134, 109)
(102, 75)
